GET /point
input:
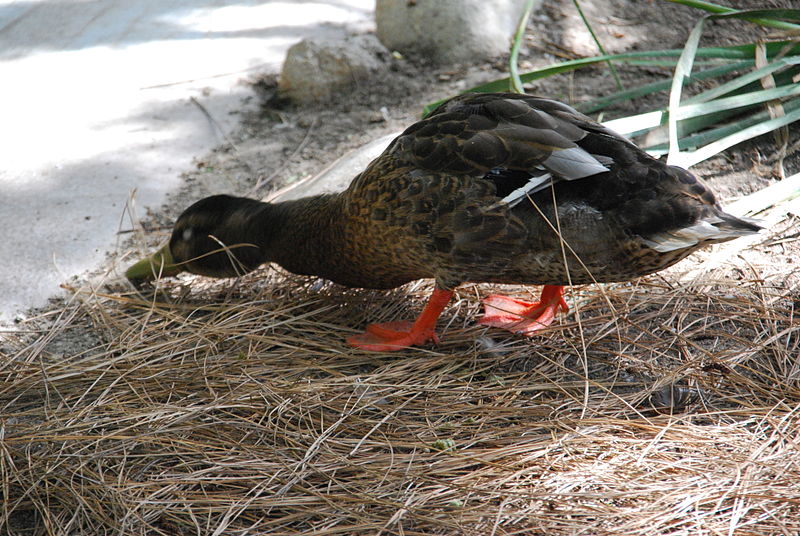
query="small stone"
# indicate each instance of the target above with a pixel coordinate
(315, 69)
(379, 116)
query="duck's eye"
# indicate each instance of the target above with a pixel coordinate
(187, 234)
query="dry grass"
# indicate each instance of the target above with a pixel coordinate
(235, 408)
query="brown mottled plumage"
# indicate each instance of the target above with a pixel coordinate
(498, 188)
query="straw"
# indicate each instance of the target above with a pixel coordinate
(235, 407)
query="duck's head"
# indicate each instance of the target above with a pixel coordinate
(213, 237)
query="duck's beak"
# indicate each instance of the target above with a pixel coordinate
(159, 264)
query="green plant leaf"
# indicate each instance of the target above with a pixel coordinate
(734, 52)
(769, 19)
(653, 87)
(600, 46)
(708, 136)
(741, 81)
(682, 71)
(515, 84)
(707, 151)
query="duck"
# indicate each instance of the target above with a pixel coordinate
(498, 188)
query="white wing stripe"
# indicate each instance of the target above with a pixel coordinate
(539, 183)
(573, 163)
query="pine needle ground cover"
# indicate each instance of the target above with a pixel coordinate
(664, 406)
(669, 405)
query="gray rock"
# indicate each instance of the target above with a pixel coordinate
(448, 31)
(314, 69)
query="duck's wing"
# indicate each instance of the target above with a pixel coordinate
(523, 144)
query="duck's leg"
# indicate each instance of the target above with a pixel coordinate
(523, 317)
(397, 335)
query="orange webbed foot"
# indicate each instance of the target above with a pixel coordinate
(524, 317)
(391, 336)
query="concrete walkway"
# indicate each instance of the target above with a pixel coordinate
(95, 104)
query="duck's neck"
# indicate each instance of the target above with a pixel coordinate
(304, 236)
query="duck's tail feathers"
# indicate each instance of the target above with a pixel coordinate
(719, 227)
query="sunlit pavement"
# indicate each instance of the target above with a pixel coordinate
(95, 103)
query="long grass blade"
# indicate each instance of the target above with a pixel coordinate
(734, 52)
(708, 136)
(600, 46)
(706, 152)
(682, 71)
(769, 20)
(741, 81)
(596, 105)
(729, 103)
(513, 67)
